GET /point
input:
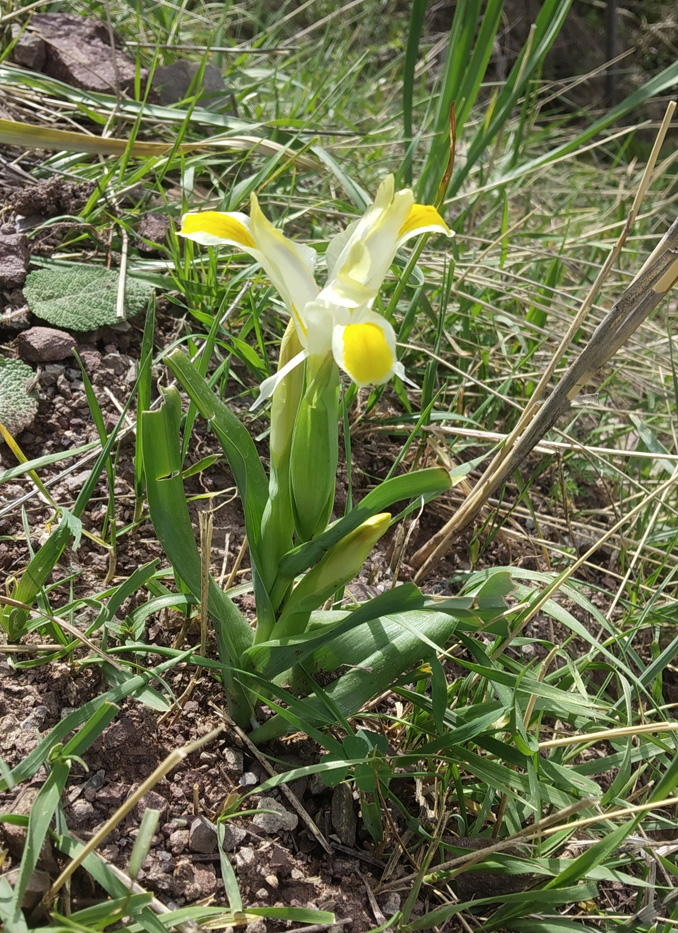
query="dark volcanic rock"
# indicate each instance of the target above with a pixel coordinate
(44, 344)
(14, 259)
(78, 51)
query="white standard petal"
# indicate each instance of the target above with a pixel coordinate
(359, 259)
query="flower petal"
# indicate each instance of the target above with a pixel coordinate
(289, 267)
(359, 261)
(365, 349)
(215, 228)
(422, 218)
(268, 386)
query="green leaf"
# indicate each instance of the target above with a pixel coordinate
(376, 653)
(172, 523)
(39, 821)
(243, 458)
(18, 406)
(82, 297)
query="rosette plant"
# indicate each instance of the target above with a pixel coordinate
(299, 557)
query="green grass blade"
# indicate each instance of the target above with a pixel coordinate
(417, 15)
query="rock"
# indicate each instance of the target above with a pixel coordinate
(38, 885)
(178, 841)
(202, 836)
(44, 344)
(390, 904)
(152, 801)
(171, 83)
(248, 779)
(28, 50)
(14, 259)
(256, 926)
(82, 810)
(13, 838)
(118, 733)
(78, 51)
(112, 795)
(245, 858)
(91, 360)
(233, 836)
(153, 227)
(94, 784)
(35, 718)
(193, 881)
(343, 814)
(273, 822)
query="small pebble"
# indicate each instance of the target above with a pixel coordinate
(245, 857)
(279, 819)
(35, 718)
(202, 836)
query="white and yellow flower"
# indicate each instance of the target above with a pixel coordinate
(339, 318)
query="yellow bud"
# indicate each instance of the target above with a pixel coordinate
(339, 565)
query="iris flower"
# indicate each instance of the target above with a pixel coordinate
(339, 318)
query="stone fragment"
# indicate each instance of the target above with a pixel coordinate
(344, 820)
(78, 51)
(14, 259)
(171, 83)
(202, 836)
(178, 841)
(245, 858)
(257, 926)
(38, 885)
(118, 733)
(153, 227)
(13, 837)
(248, 779)
(35, 718)
(152, 801)
(278, 820)
(233, 836)
(44, 344)
(390, 903)
(82, 810)
(193, 881)
(28, 50)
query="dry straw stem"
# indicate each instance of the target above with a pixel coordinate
(173, 759)
(16, 133)
(607, 735)
(652, 283)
